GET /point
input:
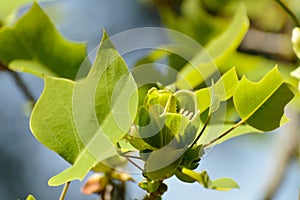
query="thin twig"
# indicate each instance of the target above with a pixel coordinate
(64, 191)
(224, 134)
(134, 157)
(289, 12)
(23, 87)
(136, 165)
(202, 131)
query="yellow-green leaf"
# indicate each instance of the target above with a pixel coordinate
(217, 184)
(261, 104)
(224, 89)
(30, 197)
(33, 45)
(200, 67)
(82, 121)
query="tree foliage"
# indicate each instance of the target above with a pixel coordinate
(102, 117)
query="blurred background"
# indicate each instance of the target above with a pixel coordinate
(251, 160)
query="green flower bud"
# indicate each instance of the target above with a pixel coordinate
(168, 118)
(157, 98)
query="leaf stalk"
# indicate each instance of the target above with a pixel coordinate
(64, 191)
(224, 134)
(202, 131)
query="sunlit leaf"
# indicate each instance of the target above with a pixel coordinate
(136, 142)
(52, 123)
(224, 89)
(150, 186)
(203, 179)
(163, 129)
(7, 7)
(83, 121)
(33, 45)
(200, 68)
(193, 21)
(191, 160)
(51, 120)
(261, 104)
(109, 164)
(159, 166)
(30, 197)
(254, 66)
(215, 99)
(151, 57)
(224, 184)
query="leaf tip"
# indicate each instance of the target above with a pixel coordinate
(30, 197)
(53, 182)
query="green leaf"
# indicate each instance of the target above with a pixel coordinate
(215, 99)
(52, 119)
(82, 121)
(224, 184)
(203, 179)
(134, 138)
(157, 98)
(163, 129)
(223, 89)
(149, 186)
(296, 41)
(192, 157)
(171, 105)
(200, 67)
(200, 177)
(109, 165)
(193, 20)
(261, 104)
(30, 197)
(33, 45)
(151, 57)
(255, 66)
(181, 176)
(7, 7)
(52, 123)
(159, 166)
